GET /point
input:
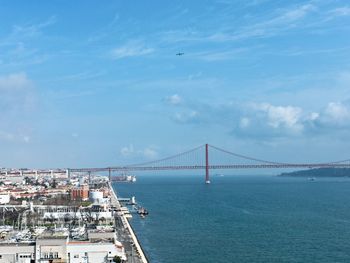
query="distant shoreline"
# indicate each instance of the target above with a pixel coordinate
(319, 172)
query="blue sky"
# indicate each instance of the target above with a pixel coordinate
(90, 84)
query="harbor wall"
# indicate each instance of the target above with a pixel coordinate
(128, 226)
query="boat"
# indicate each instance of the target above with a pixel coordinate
(312, 178)
(132, 201)
(124, 178)
(142, 211)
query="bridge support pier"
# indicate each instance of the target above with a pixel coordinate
(109, 175)
(207, 180)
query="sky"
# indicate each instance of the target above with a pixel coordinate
(86, 83)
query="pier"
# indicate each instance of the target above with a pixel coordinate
(120, 199)
(128, 237)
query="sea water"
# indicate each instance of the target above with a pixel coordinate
(242, 218)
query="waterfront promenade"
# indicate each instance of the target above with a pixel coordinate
(126, 234)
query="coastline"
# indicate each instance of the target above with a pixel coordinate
(129, 228)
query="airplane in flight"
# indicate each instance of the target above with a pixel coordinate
(180, 54)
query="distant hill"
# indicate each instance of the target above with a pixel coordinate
(320, 172)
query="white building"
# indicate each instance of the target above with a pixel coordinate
(4, 199)
(17, 253)
(51, 249)
(102, 247)
(96, 196)
(86, 252)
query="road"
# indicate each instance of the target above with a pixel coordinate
(123, 230)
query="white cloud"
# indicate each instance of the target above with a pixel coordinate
(17, 101)
(6, 136)
(149, 152)
(244, 122)
(294, 14)
(174, 99)
(283, 117)
(313, 116)
(26, 138)
(33, 29)
(131, 49)
(290, 120)
(17, 96)
(195, 75)
(340, 11)
(186, 116)
(14, 82)
(216, 55)
(265, 121)
(336, 113)
(276, 22)
(13, 137)
(127, 150)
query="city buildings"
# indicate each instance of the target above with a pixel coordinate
(58, 248)
(57, 220)
(80, 193)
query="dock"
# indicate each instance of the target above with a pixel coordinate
(120, 199)
(128, 237)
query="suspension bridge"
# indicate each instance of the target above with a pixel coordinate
(205, 157)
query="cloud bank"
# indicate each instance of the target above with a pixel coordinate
(130, 151)
(131, 49)
(267, 121)
(16, 102)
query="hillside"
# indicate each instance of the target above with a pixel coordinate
(320, 172)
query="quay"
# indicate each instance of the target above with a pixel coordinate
(124, 199)
(129, 238)
(69, 220)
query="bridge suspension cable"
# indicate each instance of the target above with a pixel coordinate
(244, 156)
(273, 162)
(165, 159)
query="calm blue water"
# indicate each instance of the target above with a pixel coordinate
(242, 219)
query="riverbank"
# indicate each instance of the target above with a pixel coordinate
(123, 222)
(319, 172)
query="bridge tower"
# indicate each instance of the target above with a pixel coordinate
(207, 180)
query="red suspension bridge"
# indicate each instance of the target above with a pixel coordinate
(205, 157)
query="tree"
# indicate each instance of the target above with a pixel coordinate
(117, 259)
(54, 183)
(26, 180)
